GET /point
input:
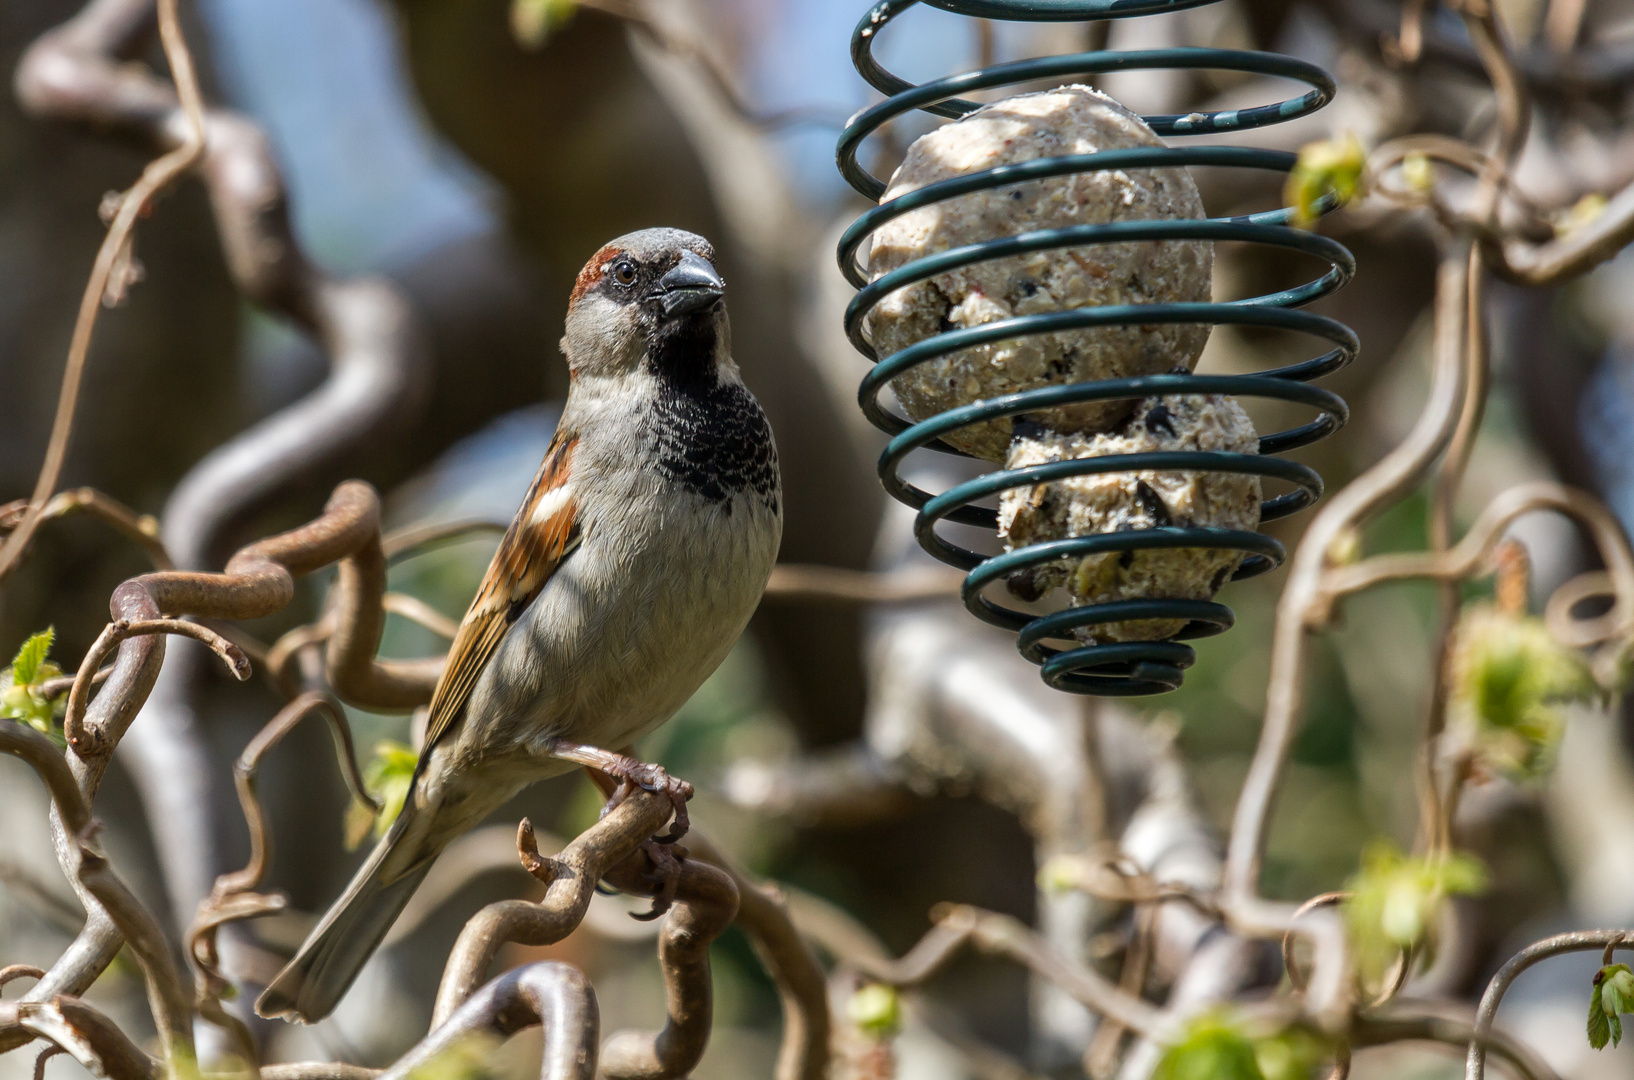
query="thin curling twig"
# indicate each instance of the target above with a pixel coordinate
(79, 75)
(553, 995)
(1101, 1058)
(318, 1070)
(1514, 107)
(1576, 253)
(158, 175)
(1002, 935)
(1566, 627)
(1447, 1023)
(420, 613)
(411, 539)
(44, 1056)
(1562, 23)
(167, 996)
(1448, 479)
(52, 688)
(283, 656)
(1535, 222)
(85, 1033)
(1290, 962)
(1409, 43)
(1471, 554)
(1116, 878)
(233, 897)
(80, 737)
(959, 926)
(705, 903)
(354, 671)
(834, 584)
(258, 581)
(578, 867)
(19, 971)
(143, 529)
(1486, 1013)
(1399, 472)
(1530, 255)
(249, 763)
(801, 986)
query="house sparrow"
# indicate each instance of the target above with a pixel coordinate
(631, 568)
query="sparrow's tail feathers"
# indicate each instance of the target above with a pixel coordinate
(311, 984)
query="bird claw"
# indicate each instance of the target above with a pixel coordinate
(666, 856)
(632, 774)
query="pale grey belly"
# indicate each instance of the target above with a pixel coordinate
(620, 637)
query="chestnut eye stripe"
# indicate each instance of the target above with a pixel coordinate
(593, 272)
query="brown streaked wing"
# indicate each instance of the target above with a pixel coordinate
(527, 556)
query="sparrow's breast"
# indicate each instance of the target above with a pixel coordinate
(682, 518)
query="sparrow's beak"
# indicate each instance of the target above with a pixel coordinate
(691, 286)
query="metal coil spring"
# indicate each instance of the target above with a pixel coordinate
(1121, 668)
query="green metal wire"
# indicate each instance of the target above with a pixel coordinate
(1123, 668)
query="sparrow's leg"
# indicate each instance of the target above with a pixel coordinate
(630, 774)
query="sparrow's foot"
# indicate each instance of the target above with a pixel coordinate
(629, 774)
(665, 875)
(632, 774)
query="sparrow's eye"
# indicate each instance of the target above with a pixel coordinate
(624, 272)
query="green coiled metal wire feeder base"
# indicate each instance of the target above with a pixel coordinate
(1122, 668)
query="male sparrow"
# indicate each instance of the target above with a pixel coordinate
(632, 566)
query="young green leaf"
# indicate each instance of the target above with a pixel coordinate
(877, 1010)
(1328, 168)
(1212, 1049)
(387, 776)
(1417, 171)
(1599, 1026)
(1395, 902)
(1579, 214)
(1291, 1054)
(25, 670)
(533, 21)
(1613, 995)
(20, 695)
(1059, 874)
(468, 1057)
(1216, 1046)
(1510, 684)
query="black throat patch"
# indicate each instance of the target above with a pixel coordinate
(712, 437)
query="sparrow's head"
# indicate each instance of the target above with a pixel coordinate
(651, 298)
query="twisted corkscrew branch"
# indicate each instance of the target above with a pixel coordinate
(167, 992)
(43, 74)
(572, 877)
(553, 995)
(259, 580)
(140, 529)
(705, 903)
(79, 74)
(233, 898)
(1608, 941)
(1445, 430)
